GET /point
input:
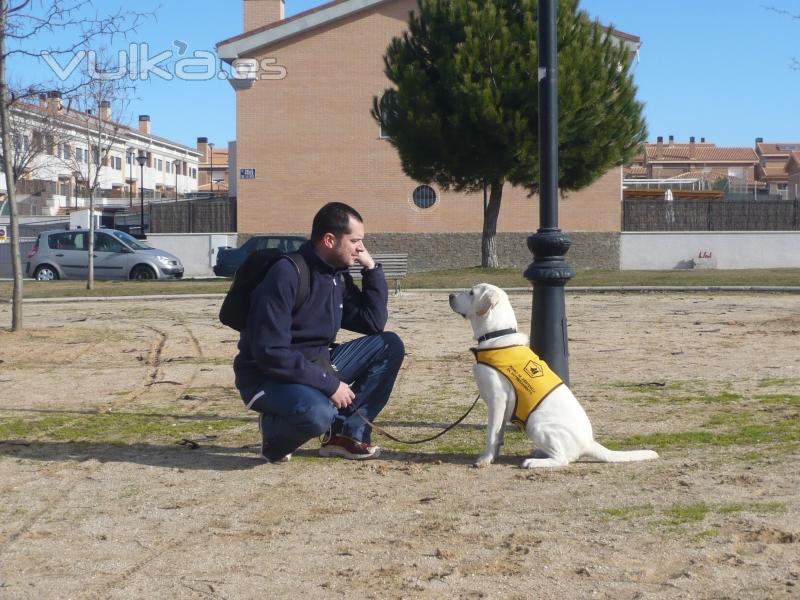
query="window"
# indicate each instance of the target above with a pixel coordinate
(78, 154)
(67, 240)
(424, 196)
(105, 243)
(116, 163)
(159, 164)
(64, 185)
(66, 151)
(384, 135)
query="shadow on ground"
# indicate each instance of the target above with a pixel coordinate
(204, 457)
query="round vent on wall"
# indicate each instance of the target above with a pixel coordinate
(424, 196)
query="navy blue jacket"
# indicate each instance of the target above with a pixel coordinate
(277, 345)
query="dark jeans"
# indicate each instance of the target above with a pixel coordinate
(294, 413)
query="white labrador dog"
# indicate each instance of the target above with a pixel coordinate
(558, 426)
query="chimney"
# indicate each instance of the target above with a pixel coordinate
(660, 147)
(702, 140)
(105, 110)
(202, 147)
(144, 124)
(691, 147)
(258, 13)
(54, 101)
(671, 140)
(759, 140)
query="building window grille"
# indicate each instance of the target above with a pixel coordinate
(424, 196)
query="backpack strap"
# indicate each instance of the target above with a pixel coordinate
(304, 275)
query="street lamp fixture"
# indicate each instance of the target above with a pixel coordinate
(141, 159)
(78, 177)
(129, 154)
(211, 173)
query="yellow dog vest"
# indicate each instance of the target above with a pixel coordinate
(532, 379)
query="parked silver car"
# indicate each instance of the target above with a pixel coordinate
(63, 254)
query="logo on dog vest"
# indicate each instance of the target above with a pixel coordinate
(533, 369)
(532, 379)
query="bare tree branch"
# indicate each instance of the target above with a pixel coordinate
(24, 27)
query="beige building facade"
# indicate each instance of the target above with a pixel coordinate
(305, 135)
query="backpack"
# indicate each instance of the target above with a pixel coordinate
(236, 305)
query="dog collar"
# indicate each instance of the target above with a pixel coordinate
(494, 334)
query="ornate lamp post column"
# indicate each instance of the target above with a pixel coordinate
(141, 159)
(211, 173)
(549, 271)
(129, 167)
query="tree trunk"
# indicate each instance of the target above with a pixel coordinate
(490, 213)
(8, 167)
(90, 274)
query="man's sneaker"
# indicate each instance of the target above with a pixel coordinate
(345, 447)
(264, 454)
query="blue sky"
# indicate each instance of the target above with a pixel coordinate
(709, 68)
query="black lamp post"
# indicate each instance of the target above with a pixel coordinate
(141, 159)
(549, 271)
(211, 173)
(130, 179)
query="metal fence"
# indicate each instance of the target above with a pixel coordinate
(201, 215)
(710, 215)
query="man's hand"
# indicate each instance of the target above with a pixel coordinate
(365, 259)
(343, 396)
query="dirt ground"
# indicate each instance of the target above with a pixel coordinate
(99, 500)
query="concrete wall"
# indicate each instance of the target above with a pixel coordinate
(721, 250)
(434, 251)
(197, 251)
(5, 257)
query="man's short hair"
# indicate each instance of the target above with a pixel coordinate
(333, 218)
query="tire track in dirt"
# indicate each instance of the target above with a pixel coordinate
(50, 504)
(197, 534)
(103, 590)
(190, 333)
(154, 363)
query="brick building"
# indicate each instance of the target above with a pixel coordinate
(305, 135)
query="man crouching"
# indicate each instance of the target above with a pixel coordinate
(289, 368)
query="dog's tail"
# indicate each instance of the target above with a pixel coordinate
(601, 453)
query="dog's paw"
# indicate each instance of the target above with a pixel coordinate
(484, 460)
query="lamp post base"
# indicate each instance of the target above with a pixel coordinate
(549, 273)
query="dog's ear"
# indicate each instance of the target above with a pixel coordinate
(486, 301)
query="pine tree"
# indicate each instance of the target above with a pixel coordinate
(463, 109)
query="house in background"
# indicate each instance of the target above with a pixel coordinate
(696, 165)
(305, 135)
(773, 159)
(59, 139)
(792, 172)
(213, 168)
